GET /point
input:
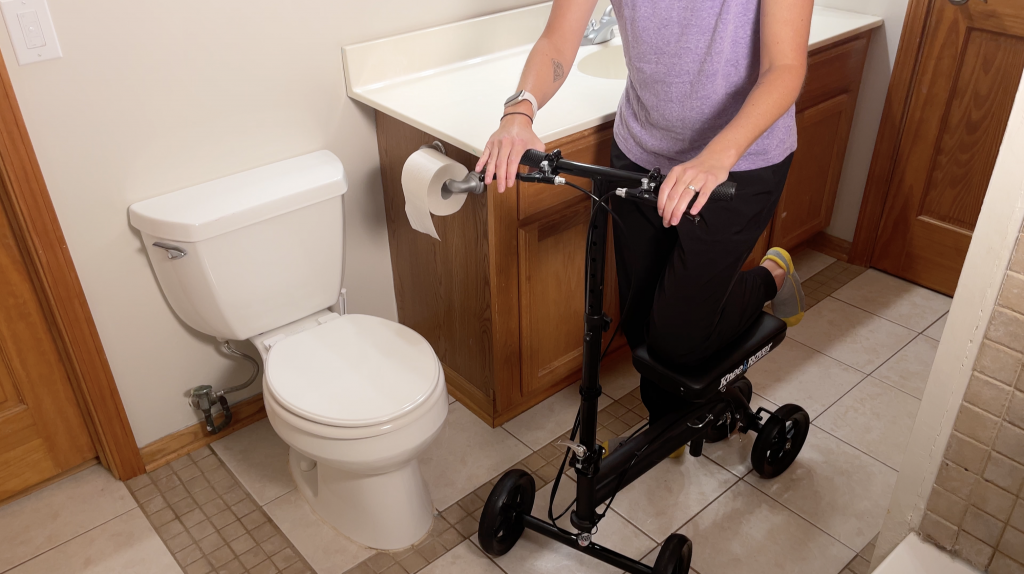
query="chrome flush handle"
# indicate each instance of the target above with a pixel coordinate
(173, 251)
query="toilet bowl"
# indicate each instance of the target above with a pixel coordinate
(258, 256)
(357, 399)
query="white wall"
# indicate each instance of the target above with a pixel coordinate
(151, 97)
(988, 258)
(875, 84)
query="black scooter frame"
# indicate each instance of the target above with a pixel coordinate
(598, 479)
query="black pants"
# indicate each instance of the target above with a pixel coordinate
(681, 289)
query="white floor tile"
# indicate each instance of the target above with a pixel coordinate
(935, 331)
(746, 531)
(326, 550)
(465, 558)
(908, 370)
(808, 262)
(58, 513)
(670, 494)
(535, 554)
(124, 544)
(734, 453)
(618, 376)
(875, 418)
(893, 298)
(259, 458)
(795, 373)
(850, 335)
(548, 420)
(836, 487)
(466, 454)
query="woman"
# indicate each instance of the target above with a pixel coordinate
(711, 91)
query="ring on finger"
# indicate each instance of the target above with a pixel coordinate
(692, 188)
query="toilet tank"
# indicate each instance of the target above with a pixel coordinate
(249, 252)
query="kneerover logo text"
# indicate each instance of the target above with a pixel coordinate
(743, 368)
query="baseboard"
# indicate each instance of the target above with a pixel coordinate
(188, 439)
(830, 245)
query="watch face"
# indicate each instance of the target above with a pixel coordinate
(515, 97)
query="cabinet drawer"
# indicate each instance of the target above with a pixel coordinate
(591, 146)
(832, 71)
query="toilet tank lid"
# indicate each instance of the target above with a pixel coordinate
(229, 203)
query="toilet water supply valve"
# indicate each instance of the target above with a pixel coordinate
(203, 397)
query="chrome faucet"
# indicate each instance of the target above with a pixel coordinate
(603, 31)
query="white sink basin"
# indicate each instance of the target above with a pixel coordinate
(607, 62)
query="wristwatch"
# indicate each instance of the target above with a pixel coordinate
(520, 96)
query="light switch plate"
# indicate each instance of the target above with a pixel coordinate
(31, 30)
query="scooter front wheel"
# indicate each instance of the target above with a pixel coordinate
(779, 441)
(674, 557)
(502, 519)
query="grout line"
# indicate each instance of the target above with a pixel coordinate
(801, 517)
(83, 533)
(854, 447)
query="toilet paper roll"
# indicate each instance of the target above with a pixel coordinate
(424, 173)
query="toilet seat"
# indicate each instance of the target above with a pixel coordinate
(352, 371)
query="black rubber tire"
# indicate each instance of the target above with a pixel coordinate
(501, 521)
(779, 441)
(719, 432)
(674, 557)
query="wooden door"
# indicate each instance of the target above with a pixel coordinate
(42, 429)
(964, 87)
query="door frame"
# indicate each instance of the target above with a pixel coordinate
(27, 202)
(890, 131)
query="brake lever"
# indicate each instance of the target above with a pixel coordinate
(651, 198)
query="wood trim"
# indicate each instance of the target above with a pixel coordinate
(175, 445)
(60, 291)
(53, 479)
(830, 245)
(890, 131)
(468, 395)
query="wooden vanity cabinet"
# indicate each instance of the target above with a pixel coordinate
(824, 117)
(500, 297)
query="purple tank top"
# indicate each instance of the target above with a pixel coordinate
(691, 65)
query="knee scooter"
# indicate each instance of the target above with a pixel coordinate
(717, 387)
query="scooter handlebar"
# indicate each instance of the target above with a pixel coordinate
(532, 158)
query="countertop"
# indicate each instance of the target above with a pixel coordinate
(451, 81)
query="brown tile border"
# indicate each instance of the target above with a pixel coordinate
(827, 281)
(209, 522)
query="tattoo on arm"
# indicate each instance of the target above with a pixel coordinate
(559, 71)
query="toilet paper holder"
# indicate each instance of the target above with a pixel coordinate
(472, 183)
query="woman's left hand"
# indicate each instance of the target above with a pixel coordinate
(700, 175)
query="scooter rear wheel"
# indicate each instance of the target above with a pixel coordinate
(675, 555)
(501, 521)
(779, 441)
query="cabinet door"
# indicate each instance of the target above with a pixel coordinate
(552, 253)
(810, 194)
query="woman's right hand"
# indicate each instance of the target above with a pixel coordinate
(505, 148)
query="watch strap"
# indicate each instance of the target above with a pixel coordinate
(524, 95)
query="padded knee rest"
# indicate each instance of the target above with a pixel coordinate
(698, 382)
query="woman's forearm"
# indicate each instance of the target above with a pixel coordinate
(546, 68)
(776, 90)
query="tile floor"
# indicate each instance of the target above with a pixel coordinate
(858, 363)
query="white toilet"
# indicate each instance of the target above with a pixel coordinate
(258, 256)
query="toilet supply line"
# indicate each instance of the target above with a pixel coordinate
(203, 397)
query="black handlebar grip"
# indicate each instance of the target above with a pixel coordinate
(724, 192)
(532, 158)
